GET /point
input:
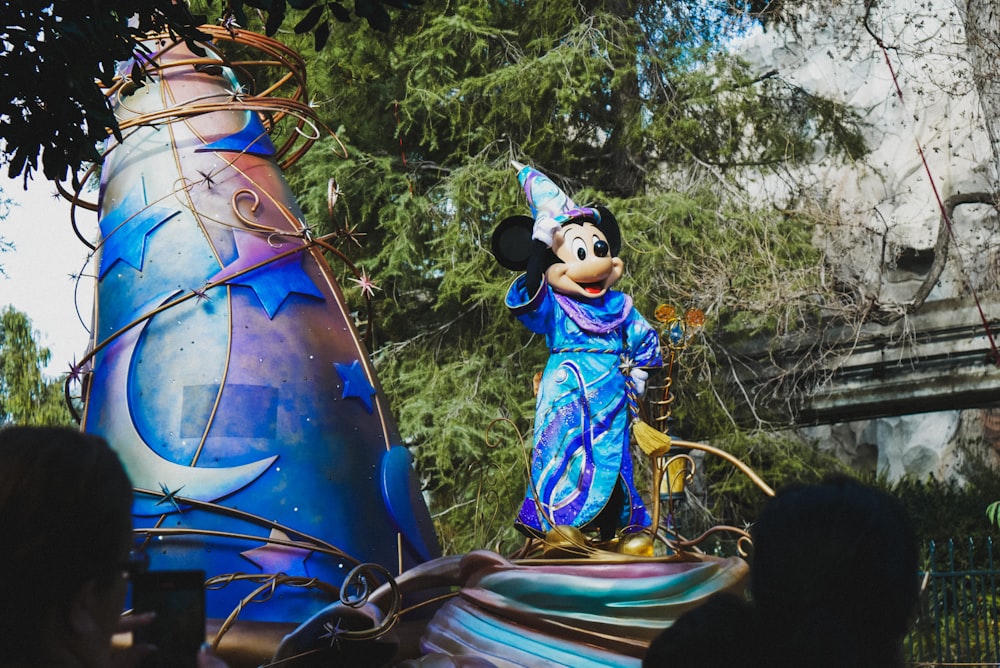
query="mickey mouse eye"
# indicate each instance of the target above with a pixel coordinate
(579, 249)
(601, 248)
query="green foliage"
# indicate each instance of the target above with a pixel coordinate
(782, 459)
(58, 55)
(993, 513)
(943, 510)
(433, 112)
(55, 59)
(26, 396)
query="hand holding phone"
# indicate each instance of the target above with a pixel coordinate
(178, 630)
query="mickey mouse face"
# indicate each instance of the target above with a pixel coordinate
(587, 268)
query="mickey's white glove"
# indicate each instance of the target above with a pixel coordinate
(639, 377)
(544, 230)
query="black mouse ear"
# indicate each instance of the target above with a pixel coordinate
(609, 225)
(512, 242)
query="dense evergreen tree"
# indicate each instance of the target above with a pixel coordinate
(630, 104)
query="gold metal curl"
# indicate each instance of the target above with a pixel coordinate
(276, 54)
(743, 539)
(493, 443)
(744, 468)
(357, 580)
(390, 617)
(263, 593)
(684, 476)
(314, 136)
(235, 205)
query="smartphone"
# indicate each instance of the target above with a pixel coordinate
(178, 598)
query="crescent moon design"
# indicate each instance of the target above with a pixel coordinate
(147, 469)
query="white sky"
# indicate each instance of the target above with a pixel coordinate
(38, 271)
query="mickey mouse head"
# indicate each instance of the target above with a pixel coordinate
(575, 248)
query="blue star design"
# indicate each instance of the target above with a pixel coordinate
(170, 497)
(356, 383)
(252, 139)
(126, 228)
(271, 282)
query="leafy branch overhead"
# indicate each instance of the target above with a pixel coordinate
(57, 56)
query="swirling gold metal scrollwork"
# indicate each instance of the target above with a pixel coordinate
(357, 589)
(235, 204)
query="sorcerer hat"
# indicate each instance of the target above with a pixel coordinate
(547, 200)
(512, 240)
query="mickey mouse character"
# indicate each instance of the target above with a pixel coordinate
(581, 469)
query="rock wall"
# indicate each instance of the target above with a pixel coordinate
(906, 71)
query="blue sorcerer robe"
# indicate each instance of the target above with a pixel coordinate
(582, 417)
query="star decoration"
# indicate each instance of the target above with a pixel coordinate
(237, 93)
(169, 496)
(206, 179)
(365, 283)
(78, 371)
(356, 383)
(333, 632)
(271, 558)
(230, 23)
(306, 232)
(626, 366)
(271, 282)
(201, 294)
(351, 235)
(332, 195)
(252, 139)
(126, 228)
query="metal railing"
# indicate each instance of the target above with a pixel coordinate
(958, 623)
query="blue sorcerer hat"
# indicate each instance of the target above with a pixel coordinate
(547, 200)
(512, 239)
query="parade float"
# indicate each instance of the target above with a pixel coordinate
(227, 371)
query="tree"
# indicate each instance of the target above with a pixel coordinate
(630, 104)
(26, 396)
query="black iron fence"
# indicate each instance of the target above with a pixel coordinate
(959, 619)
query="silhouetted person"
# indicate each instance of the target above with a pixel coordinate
(717, 634)
(835, 576)
(66, 523)
(833, 584)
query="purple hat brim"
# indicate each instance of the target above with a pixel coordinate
(578, 213)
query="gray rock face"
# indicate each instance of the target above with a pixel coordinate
(882, 226)
(916, 445)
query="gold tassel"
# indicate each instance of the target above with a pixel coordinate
(652, 441)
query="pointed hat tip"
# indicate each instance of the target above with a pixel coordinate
(517, 165)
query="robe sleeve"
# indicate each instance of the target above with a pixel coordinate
(644, 342)
(533, 311)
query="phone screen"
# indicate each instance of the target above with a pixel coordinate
(178, 598)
